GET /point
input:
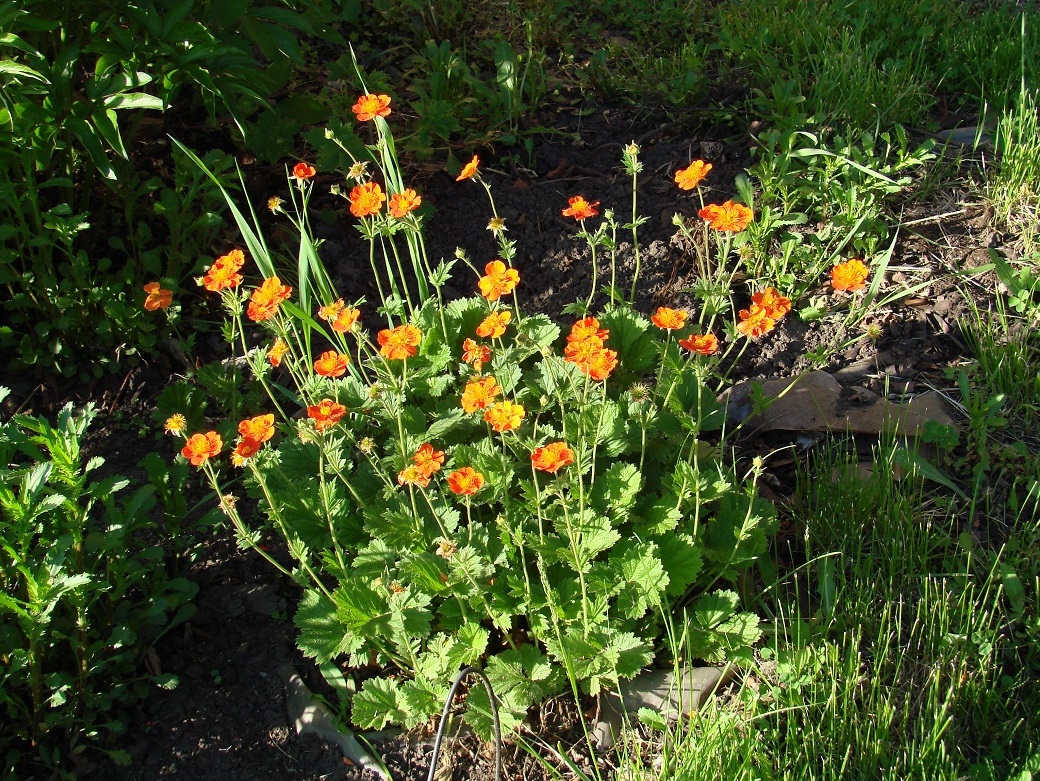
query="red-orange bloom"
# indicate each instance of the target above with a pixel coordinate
(157, 298)
(246, 448)
(475, 354)
(224, 271)
(504, 416)
(479, 393)
(850, 275)
(494, 325)
(340, 317)
(303, 171)
(398, 343)
(264, 303)
(412, 475)
(326, 413)
(688, 178)
(580, 209)
(277, 351)
(774, 304)
(668, 319)
(260, 428)
(602, 364)
(331, 364)
(403, 202)
(704, 344)
(201, 447)
(552, 457)
(755, 322)
(371, 106)
(582, 351)
(345, 320)
(587, 328)
(427, 460)
(466, 481)
(366, 199)
(499, 280)
(469, 170)
(729, 217)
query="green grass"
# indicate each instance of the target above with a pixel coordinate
(1014, 189)
(874, 63)
(900, 649)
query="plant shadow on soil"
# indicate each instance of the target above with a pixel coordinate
(227, 719)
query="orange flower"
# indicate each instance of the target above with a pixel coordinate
(729, 217)
(331, 364)
(469, 170)
(475, 354)
(580, 209)
(688, 178)
(201, 447)
(340, 317)
(247, 448)
(366, 200)
(264, 303)
(157, 298)
(371, 106)
(602, 364)
(504, 416)
(403, 202)
(427, 460)
(412, 475)
(587, 329)
(494, 325)
(345, 320)
(591, 357)
(277, 351)
(260, 428)
(303, 171)
(755, 322)
(774, 304)
(582, 351)
(552, 457)
(704, 344)
(224, 271)
(326, 413)
(329, 311)
(479, 393)
(668, 319)
(850, 275)
(399, 343)
(499, 280)
(466, 481)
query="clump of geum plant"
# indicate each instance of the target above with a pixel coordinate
(462, 483)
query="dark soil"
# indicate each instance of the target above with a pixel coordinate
(227, 719)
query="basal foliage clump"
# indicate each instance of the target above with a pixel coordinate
(462, 483)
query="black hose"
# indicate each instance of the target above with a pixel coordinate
(444, 720)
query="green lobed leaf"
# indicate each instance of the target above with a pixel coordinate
(682, 560)
(615, 490)
(537, 332)
(636, 348)
(379, 703)
(638, 568)
(519, 679)
(322, 637)
(585, 534)
(737, 535)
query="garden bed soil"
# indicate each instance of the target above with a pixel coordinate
(227, 719)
